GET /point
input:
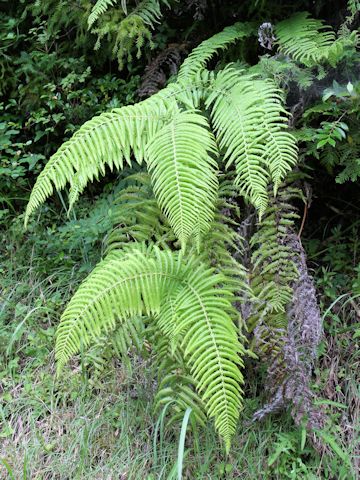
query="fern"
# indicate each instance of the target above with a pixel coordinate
(176, 385)
(100, 7)
(117, 342)
(256, 106)
(148, 131)
(311, 42)
(148, 10)
(108, 139)
(129, 32)
(140, 282)
(137, 217)
(184, 174)
(273, 268)
(199, 57)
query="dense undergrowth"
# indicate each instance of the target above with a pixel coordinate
(78, 427)
(99, 421)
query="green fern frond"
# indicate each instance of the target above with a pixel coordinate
(116, 343)
(257, 142)
(236, 115)
(176, 386)
(211, 348)
(100, 7)
(199, 57)
(273, 266)
(132, 33)
(125, 284)
(136, 282)
(105, 140)
(280, 149)
(179, 390)
(137, 217)
(130, 333)
(149, 11)
(184, 174)
(305, 39)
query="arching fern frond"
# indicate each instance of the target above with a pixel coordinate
(280, 149)
(149, 11)
(248, 119)
(305, 39)
(211, 347)
(139, 282)
(236, 114)
(106, 140)
(184, 174)
(125, 284)
(199, 57)
(257, 141)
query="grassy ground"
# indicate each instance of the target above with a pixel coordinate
(69, 428)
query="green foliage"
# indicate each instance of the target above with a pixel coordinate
(310, 42)
(147, 10)
(335, 142)
(47, 92)
(136, 215)
(133, 30)
(100, 8)
(144, 130)
(289, 456)
(272, 262)
(184, 174)
(176, 133)
(184, 298)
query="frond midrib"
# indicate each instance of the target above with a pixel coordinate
(218, 358)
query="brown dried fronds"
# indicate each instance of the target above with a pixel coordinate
(161, 67)
(290, 371)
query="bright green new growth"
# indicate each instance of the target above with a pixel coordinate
(143, 281)
(184, 174)
(147, 10)
(100, 7)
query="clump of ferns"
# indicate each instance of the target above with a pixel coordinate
(185, 134)
(137, 218)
